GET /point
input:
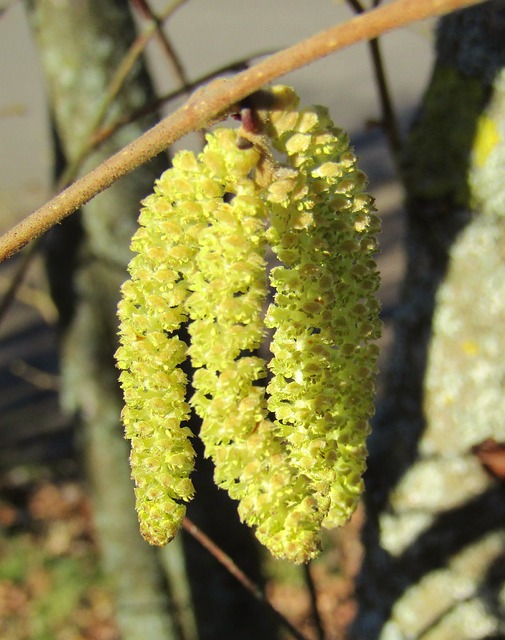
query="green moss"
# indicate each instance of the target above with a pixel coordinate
(440, 143)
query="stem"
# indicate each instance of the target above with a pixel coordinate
(176, 64)
(168, 49)
(237, 573)
(114, 87)
(17, 279)
(309, 581)
(213, 101)
(389, 120)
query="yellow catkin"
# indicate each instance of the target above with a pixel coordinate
(325, 312)
(286, 433)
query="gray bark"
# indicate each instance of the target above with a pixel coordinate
(435, 536)
(81, 43)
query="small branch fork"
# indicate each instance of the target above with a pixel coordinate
(213, 101)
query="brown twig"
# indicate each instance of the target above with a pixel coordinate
(239, 65)
(389, 120)
(177, 67)
(72, 168)
(213, 101)
(114, 87)
(168, 49)
(16, 281)
(238, 574)
(309, 581)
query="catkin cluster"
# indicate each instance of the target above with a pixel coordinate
(286, 431)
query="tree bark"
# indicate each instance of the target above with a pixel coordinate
(435, 535)
(81, 43)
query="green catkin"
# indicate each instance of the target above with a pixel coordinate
(229, 289)
(151, 312)
(291, 450)
(325, 313)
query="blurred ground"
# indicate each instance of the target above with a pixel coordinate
(37, 452)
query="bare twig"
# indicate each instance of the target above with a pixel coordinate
(16, 281)
(71, 170)
(356, 5)
(33, 375)
(115, 85)
(237, 573)
(172, 57)
(309, 581)
(168, 49)
(389, 120)
(213, 101)
(238, 65)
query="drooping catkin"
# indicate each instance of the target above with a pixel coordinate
(151, 312)
(287, 437)
(325, 311)
(229, 288)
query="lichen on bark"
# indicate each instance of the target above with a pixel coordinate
(435, 539)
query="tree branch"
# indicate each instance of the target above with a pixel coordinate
(213, 101)
(239, 575)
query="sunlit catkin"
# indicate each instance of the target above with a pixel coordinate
(228, 292)
(151, 312)
(284, 390)
(325, 312)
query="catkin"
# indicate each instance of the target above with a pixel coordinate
(325, 312)
(287, 434)
(151, 312)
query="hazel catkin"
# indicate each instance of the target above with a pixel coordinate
(325, 314)
(287, 433)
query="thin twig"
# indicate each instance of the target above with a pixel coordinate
(239, 65)
(309, 581)
(114, 87)
(168, 49)
(238, 574)
(177, 67)
(389, 120)
(212, 102)
(356, 5)
(20, 271)
(38, 378)
(116, 83)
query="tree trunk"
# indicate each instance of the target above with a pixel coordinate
(81, 43)
(435, 537)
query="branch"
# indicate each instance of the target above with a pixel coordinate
(238, 574)
(213, 101)
(114, 87)
(389, 120)
(144, 8)
(316, 616)
(238, 65)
